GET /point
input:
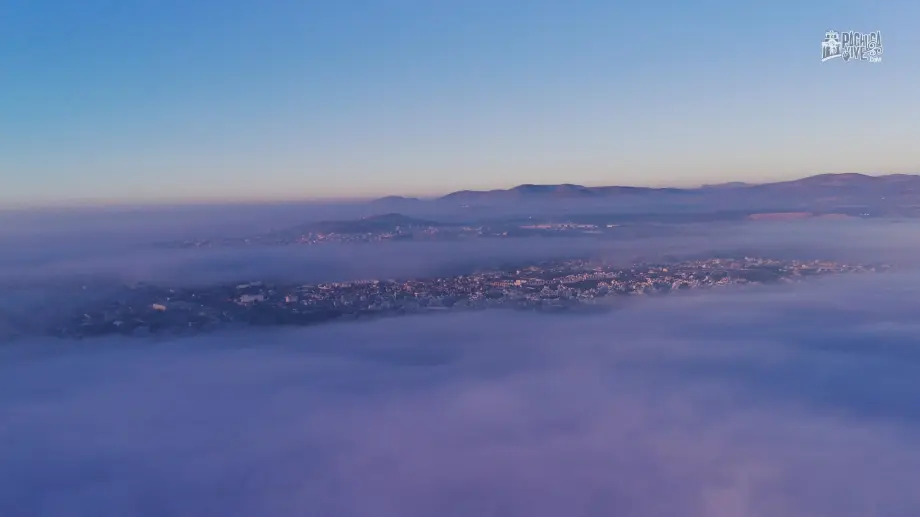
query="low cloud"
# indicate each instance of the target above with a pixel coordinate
(122, 247)
(796, 401)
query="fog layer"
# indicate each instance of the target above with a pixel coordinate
(126, 252)
(795, 402)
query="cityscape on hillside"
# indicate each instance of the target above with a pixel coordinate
(547, 286)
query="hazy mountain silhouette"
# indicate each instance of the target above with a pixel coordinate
(901, 185)
(563, 191)
(730, 184)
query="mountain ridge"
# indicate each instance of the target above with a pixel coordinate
(527, 191)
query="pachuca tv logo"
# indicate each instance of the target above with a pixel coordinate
(852, 46)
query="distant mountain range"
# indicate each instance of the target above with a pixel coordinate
(831, 184)
(851, 195)
(823, 185)
(528, 210)
(564, 191)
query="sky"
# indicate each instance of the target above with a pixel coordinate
(154, 101)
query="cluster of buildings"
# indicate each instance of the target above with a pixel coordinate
(546, 286)
(424, 233)
(314, 238)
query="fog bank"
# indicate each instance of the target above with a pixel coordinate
(130, 256)
(755, 402)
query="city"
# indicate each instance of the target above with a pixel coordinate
(394, 227)
(459, 259)
(548, 286)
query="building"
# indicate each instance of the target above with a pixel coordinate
(251, 298)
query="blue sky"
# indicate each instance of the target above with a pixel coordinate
(178, 100)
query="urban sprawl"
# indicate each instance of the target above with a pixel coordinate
(551, 286)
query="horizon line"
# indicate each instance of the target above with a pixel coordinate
(86, 203)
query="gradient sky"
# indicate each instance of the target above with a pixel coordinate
(133, 100)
